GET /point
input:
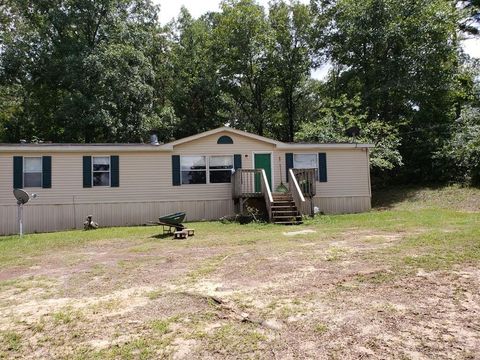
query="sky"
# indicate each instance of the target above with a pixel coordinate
(170, 9)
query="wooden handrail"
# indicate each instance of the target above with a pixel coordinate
(243, 185)
(295, 190)
(267, 186)
(236, 183)
(243, 182)
(306, 179)
(267, 193)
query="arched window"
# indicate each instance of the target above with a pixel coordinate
(224, 140)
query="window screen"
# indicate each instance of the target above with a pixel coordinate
(221, 168)
(305, 161)
(101, 170)
(32, 172)
(194, 169)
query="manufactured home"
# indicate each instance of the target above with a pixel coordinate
(209, 175)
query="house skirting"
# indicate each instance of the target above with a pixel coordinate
(339, 205)
(46, 218)
(56, 217)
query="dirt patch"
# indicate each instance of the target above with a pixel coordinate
(116, 303)
(304, 296)
(299, 232)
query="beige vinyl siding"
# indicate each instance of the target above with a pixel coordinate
(208, 146)
(6, 179)
(144, 176)
(147, 176)
(347, 172)
(241, 144)
(146, 191)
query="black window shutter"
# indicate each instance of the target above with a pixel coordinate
(114, 171)
(288, 163)
(46, 172)
(18, 172)
(87, 171)
(237, 161)
(176, 178)
(322, 167)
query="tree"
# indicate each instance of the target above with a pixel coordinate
(243, 47)
(106, 71)
(401, 57)
(291, 60)
(337, 115)
(470, 16)
(195, 92)
(83, 66)
(460, 155)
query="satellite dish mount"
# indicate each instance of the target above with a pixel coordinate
(22, 198)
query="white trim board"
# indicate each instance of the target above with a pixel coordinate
(168, 147)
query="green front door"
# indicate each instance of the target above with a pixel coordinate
(263, 161)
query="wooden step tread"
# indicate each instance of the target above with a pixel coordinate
(287, 216)
(288, 222)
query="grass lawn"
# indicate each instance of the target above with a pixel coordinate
(399, 282)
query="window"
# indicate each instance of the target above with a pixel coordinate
(225, 140)
(194, 169)
(32, 172)
(221, 168)
(101, 170)
(305, 161)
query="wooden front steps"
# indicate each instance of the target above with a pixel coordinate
(284, 210)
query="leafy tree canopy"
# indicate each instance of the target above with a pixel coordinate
(107, 71)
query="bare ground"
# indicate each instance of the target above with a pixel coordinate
(300, 296)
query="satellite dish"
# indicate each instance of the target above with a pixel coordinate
(21, 196)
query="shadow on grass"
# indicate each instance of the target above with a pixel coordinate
(388, 198)
(161, 236)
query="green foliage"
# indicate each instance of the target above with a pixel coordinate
(107, 71)
(386, 154)
(194, 92)
(10, 106)
(243, 40)
(461, 152)
(470, 11)
(84, 68)
(291, 60)
(401, 57)
(123, 91)
(337, 115)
